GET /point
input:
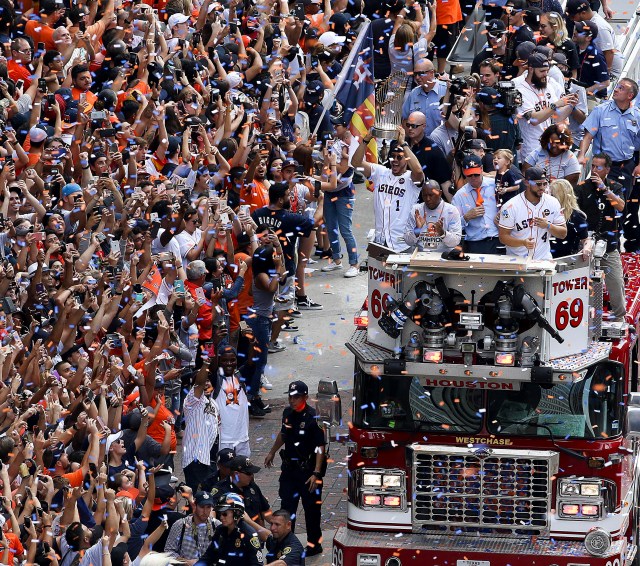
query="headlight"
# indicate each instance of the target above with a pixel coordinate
(574, 510)
(570, 509)
(391, 481)
(371, 500)
(590, 489)
(591, 510)
(372, 480)
(580, 488)
(569, 489)
(380, 488)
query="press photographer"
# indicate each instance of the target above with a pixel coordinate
(497, 108)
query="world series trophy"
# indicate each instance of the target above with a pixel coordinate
(389, 99)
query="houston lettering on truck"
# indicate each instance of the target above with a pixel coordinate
(493, 415)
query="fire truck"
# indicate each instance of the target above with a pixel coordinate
(495, 415)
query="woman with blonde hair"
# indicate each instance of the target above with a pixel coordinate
(553, 34)
(410, 39)
(577, 233)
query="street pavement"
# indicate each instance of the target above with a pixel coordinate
(317, 351)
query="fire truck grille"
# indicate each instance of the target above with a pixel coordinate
(469, 490)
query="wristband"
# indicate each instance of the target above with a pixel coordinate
(549, 226)
(317, 474)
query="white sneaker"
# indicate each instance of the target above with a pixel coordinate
(275, 347)
(351, 272)
(333, 266)
(265, 383)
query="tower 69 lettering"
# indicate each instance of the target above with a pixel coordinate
(378, 300)
(569, 314)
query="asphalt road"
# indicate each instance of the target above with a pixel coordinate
(317, 350)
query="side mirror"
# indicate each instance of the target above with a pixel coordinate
(329, 404)
(633, 414)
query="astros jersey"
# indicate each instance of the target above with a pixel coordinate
(427, 239)
(394, 198)
(517, 215)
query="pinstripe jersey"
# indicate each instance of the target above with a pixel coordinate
(201, 431)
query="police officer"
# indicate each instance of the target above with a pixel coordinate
(241, 481)
(614, 126)
(303, 462)
(223, 460)
(234, 542)
(283, 547)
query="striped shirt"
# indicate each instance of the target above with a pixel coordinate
(201, 417)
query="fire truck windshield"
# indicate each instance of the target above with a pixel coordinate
(589, 408)
(393, 403)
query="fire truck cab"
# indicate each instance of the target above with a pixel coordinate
(495, 420)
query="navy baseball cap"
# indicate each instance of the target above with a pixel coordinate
(535, 174)
(225, 456)
(298, 388)
(472, 165)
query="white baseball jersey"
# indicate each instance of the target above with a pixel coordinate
(393, 200)
(534, 100)
(517, 215)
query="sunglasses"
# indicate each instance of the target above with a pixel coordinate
(414, 126)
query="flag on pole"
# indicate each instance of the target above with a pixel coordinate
(356, 90)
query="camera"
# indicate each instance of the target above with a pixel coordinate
(462, 148)
(458, 86)
(510, 97)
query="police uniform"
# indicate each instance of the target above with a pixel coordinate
(240, 547)
(302, 438)
(254, 501)
(288, 550)
(617, 134)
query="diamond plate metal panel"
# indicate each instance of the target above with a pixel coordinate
(364, 351)
(459, 544)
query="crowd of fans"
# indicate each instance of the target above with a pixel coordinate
(168, 168)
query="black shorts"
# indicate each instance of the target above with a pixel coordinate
(445, 38)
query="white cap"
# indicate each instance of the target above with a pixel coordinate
(37, 134)
(111, 439)
(331, 38)
(177, 19)
(234, 78)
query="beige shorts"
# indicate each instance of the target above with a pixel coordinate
(286, 295)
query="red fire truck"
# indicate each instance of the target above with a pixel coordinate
(495, 420)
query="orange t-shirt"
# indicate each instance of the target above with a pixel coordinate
(16, 72)
(155, 429)
(91, 98)
(256, 195)
(448, 12)
(39, 31)
(245, 299)
(15, 546)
